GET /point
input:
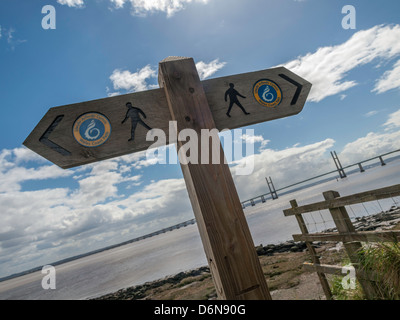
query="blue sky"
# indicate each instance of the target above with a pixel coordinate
(102, 48)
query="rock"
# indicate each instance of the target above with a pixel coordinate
(260, 250)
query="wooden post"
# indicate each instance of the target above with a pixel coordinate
(344, 225)
(313, 253)
(226, 238)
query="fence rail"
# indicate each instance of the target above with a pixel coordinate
(372, 195)
(364, 236)
(346, 234)
(336, 270)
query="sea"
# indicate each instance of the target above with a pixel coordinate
(181, 249)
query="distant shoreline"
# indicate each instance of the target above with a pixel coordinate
(36, 269)
(182, 280)
(174, 227)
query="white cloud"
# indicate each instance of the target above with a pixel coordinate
(371, 113)
(133, 82)
(12, 179)
(96, 212)
(111, 93)
(139, 81)
(67, 223)
(252, 139)
(394, 121)
(12, 175)
(297, 163)
(370, 146)
(374, 143)
(26, 155)
(206, 70)
(286, 166)
(71, 220)
(390, 80)
(328, 67)
(118, 3)
(9, 36)
(144, 7)
(72, 3)
(255, 139)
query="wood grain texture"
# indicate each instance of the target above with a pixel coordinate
(345, 226)
(371, 195)
(338, 270)
(226, 238)
(313, 253)
(244, 83)
(154, 104)
(363, 236)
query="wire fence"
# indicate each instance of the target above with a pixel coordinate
(321, 220)
(356, 218)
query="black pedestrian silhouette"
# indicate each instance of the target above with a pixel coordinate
(233, 94)
(134, 114)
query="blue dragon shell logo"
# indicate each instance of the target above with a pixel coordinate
(92, 129)
(267, 93)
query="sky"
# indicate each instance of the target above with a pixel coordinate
(103, 48)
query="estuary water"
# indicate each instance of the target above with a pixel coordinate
(182, 250)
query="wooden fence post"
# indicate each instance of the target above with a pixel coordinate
(223, 228)
(313, 253)
(345, 226)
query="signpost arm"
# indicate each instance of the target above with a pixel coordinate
(223, 228)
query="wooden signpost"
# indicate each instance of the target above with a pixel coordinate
(83, 133)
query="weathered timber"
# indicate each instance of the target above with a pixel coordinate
(226, 238)
(59, 146)
(372, 195)
(313, 253)
(363, 236)
(338, 270)
(345, 226)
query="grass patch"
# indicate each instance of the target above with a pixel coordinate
(191, 280)
(339, 291)
(381, 263)
(383, 259)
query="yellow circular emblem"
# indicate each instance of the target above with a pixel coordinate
(92, 129)
(267, 93)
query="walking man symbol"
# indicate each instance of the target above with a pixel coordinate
(134, 114)
(233, 97)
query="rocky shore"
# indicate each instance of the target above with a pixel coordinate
(282, 266)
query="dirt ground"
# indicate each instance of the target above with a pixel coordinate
(284, 273)
(282, 266)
